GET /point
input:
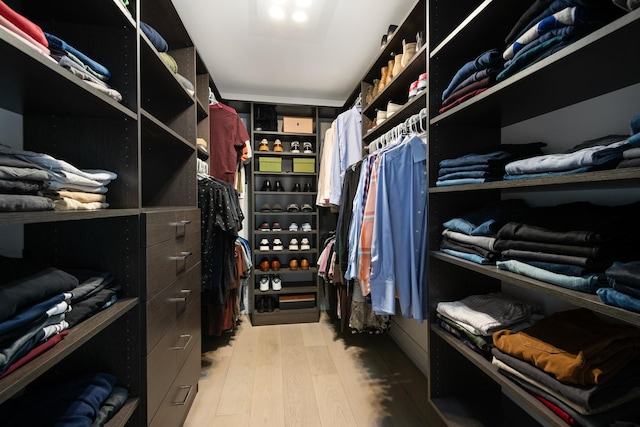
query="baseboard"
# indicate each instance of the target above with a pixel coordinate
(409, 346)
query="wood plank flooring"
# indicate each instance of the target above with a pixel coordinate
(305, 375)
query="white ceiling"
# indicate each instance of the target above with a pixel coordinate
(252, 58)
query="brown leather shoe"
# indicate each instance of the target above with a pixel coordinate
(275, 264)
(264, 264)
(293, 264)
(304, 264)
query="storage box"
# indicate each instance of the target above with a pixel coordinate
(290, 302)
(270, 164)
(304, 165)
(297, 124)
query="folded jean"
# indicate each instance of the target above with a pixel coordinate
(470, 248)
(466, 256)
(61, 44)
(462, 181)
(633, 292)
(616, 298)
(508, 177)
(488, 220)
(495, 157)
(469, 174)
(566, 269)
(477, 167)
(627, 273)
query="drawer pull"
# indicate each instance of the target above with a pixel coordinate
(188, 336)
(177, 299)
(186, 292)
(186, 397)
(181, 223)
(183, 256)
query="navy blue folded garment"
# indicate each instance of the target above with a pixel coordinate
(487, 220)
(489, 59)
(60, 44)
(154, 37)
(627, 273)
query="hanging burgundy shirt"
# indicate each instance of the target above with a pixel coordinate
(228, 136)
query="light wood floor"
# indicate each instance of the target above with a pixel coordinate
(305, 375)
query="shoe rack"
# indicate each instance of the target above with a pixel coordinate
(277, 197)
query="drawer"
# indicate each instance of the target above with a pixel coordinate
(170, 355)
(178, 400)
(166, 225)
(164, 309)
(168, 260)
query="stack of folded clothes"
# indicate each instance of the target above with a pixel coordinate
(472, 78)
(570, 245)
(475, 318)
(24, 30)
(162, 47)
(80, 65)
(625, 286)
(471, 236)
(32, 181)
(548, 26)
(484, 167)
(584, 369)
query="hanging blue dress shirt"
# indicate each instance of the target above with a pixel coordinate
(347, 149)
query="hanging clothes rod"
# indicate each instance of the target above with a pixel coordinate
(416, 123)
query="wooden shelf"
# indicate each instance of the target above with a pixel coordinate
(288, 290)
(276, 133)
(302, 315)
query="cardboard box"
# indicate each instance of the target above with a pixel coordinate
(297, 124)
(270, 164)
(304, 165)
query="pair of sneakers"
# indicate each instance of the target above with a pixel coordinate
(277, 146)
(270, 282)
(302, 246)
(265, 246)
(304, 227)
(307, 148)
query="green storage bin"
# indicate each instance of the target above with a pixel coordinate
(270, 164)
(304, 165)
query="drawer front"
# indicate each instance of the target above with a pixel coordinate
(164, 309)
(176, 404)
(168, 260)
(189, 330)
(166, 225)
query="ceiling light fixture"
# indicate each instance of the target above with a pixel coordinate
(299, 16)
(276, 12)
(303, 3)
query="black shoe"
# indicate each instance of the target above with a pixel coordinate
(278, 187)
(296, 187)
(266, 186)
(270, 304)
(261, 305)
(307, 187)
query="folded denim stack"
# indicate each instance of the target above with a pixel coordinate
(625, 286)
(484, 167)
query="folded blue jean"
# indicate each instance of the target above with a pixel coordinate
(469, 257)
(634, 292)
(490, 58)
(468, 174)
(495, 157)
(487, 220)
(462, 181)
(615, 298)
(545, 174)
(566, 269)
(478, 167)
(589, 284)
(627, 273)
(62, 45)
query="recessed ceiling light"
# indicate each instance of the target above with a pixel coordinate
(303, 3)
(276, 12)
(299, 16)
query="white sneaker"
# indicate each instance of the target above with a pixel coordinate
(264, 245)
(304, 244)
(264, 283)
(295, 147)
(306, 227)
(293, 227)
(307, 148)
(293, 244)
(276, 283)
(277, 245)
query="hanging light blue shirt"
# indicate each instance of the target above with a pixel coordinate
(347, 149)
(399, 244)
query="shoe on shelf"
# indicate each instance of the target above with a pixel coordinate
(422, 82)
(307, 148)
(277, 146)
(277, 207)
(276, 283)
(392, 108)
(306, 207)
(296, 187)
(266, 185)
(264, 283)
(307, 187)
(304, 244)
(261, 305)
(295, 147)
(293, 264)
(304, 264)
(277, 245)
(276, 226)
(264, 145)
(306, 226)
(277, 186)
(270, 305)
(293, 227)
(265, 226)
(265, 208)
(264, 245)
(293, 244)
(264, 264)
(292, 207)
(413, 90)
(275, 264)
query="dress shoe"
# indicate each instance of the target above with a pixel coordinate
(260, 305)
(304, 264)
(296, 187)
(277, 146)
(265, 226)
(307, 187)
(276, 226)
(278, 186)
(264, 264)
(270, 304)
(275, 264)
(264, 145)
(266, 185)
(293, 264)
